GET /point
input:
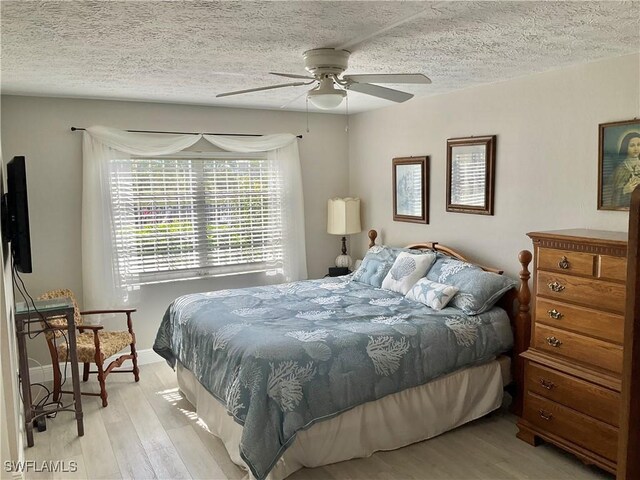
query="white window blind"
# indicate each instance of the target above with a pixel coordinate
(468, 179)
(178, 218)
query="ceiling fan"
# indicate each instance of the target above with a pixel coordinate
(326, 65)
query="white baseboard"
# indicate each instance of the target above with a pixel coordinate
(45, 373)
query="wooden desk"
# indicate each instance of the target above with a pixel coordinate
(26, 318)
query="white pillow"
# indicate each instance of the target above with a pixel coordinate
(432, 294)
(407, 270)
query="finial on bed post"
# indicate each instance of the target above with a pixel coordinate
(522, 330)
(372, 237)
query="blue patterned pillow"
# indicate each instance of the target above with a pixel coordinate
(377, 263)
(478, 290)
(432, 294)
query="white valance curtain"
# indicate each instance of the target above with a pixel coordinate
(102, 283)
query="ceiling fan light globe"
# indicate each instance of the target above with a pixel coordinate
(326, 100)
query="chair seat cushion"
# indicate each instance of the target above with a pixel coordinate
(111, 342)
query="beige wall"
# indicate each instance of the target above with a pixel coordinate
(39, 129)
(547, 160)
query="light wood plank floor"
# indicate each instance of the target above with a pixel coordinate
(150, 431)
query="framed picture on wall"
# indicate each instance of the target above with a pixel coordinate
(411, 189)
(470, 174)
(618, 163)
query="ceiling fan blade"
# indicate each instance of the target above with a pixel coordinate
(292, 75)
(381, 92)
(389, 78)
(259, 89)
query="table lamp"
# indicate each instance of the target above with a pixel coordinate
(343, 218)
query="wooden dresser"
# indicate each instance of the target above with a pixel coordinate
(574, 363)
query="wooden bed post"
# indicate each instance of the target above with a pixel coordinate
(522, 329)
(372, 237)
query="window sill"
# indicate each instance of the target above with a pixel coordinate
(268, 272)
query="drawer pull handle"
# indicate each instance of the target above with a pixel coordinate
(546, 415)
(555, 286)
(555, 314)
(548, 384)
(564, 263)
(553, 341)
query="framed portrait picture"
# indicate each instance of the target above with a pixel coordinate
(618, 163)
(411, 189)
(470, 174)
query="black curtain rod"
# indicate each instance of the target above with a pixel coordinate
(73, 129)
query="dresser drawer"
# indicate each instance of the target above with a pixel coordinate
(566, 261)
(587, 350)
(612, 268)
(607, 326)
(585, 397)
(587, 291)
(564, 422)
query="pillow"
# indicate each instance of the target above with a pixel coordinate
(377, 263)
(478, 290)
(407, 270)
(432, 294)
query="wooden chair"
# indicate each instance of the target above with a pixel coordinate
(94, 345)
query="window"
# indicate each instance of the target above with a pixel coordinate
(189, 216)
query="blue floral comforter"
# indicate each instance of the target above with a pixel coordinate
(283, 357)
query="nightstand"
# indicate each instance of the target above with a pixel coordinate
(338, 271)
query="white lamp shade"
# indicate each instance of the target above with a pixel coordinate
(343, 216)
(326, 96)
(326, 101)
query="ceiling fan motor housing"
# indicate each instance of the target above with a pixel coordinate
(323, 61)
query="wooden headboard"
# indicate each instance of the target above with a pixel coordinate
(515, 302)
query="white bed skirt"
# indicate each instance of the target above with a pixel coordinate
(392, 422)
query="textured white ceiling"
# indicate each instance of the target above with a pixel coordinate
(187, 52)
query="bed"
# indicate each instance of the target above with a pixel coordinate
(320, 371)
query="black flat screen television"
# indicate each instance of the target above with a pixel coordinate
(16, 222)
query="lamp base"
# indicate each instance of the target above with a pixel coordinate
(344, 261)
